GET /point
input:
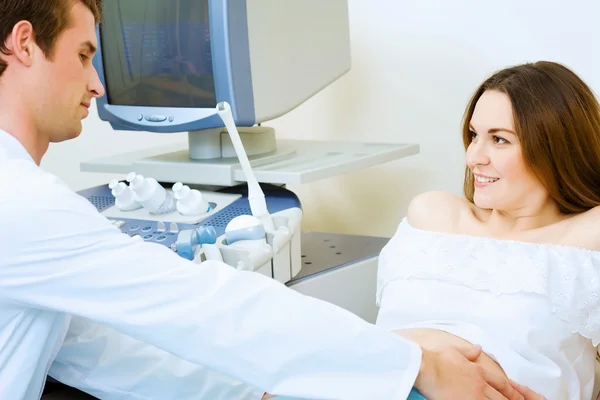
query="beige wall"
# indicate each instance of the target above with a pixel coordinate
(415, 63)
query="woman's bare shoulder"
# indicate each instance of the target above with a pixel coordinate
(437, 211)
(584, 229)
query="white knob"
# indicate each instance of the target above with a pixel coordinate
(189, 201)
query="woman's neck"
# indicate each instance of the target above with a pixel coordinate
(515, 221)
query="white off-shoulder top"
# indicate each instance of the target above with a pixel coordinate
(534, 308)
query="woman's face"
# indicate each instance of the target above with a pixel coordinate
(502, 181)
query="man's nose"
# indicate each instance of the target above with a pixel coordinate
(95, 85)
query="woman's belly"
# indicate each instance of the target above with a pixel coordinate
(437, 339)
(518, 332)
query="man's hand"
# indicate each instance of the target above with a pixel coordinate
(527, 393)
(452, 373)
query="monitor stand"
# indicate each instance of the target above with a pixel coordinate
(209, 144)
(209, 159)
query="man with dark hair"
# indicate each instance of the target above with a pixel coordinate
(121, 318)
(47, 20)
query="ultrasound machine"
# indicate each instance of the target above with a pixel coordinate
(218, 70)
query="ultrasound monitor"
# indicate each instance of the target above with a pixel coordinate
(165, 65)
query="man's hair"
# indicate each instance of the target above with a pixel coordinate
(557, 121)
(49, 19)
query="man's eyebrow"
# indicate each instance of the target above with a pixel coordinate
(89, 47)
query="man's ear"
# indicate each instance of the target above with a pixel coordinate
(21, 42)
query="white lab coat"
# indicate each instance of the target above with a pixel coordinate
(163, 327)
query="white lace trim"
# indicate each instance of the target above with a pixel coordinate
(568, 276)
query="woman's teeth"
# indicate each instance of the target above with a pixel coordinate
(481, 179)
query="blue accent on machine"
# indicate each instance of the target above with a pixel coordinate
(278, 199)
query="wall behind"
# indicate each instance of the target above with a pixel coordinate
(415, 64)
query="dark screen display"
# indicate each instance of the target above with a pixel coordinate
(157, 53)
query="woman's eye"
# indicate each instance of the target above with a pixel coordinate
(473, 135)
(499, 140)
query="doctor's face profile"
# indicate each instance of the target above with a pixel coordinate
(532, 137)
(65, 80)
(494, 156)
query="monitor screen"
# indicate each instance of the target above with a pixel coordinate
(157, 53)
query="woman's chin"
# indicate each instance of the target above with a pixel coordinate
(484, 203)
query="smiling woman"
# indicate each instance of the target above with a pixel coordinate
(515, 266)
(556, 124)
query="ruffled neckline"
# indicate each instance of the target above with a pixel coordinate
(568, 276)
(491, 240)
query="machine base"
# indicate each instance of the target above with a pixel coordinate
(340, 269)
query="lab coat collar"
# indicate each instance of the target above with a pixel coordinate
(11, 148)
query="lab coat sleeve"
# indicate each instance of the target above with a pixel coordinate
(63, 255)
(110, 365)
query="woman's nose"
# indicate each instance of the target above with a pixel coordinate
(477, 154)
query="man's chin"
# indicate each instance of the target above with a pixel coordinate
(65, 136)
